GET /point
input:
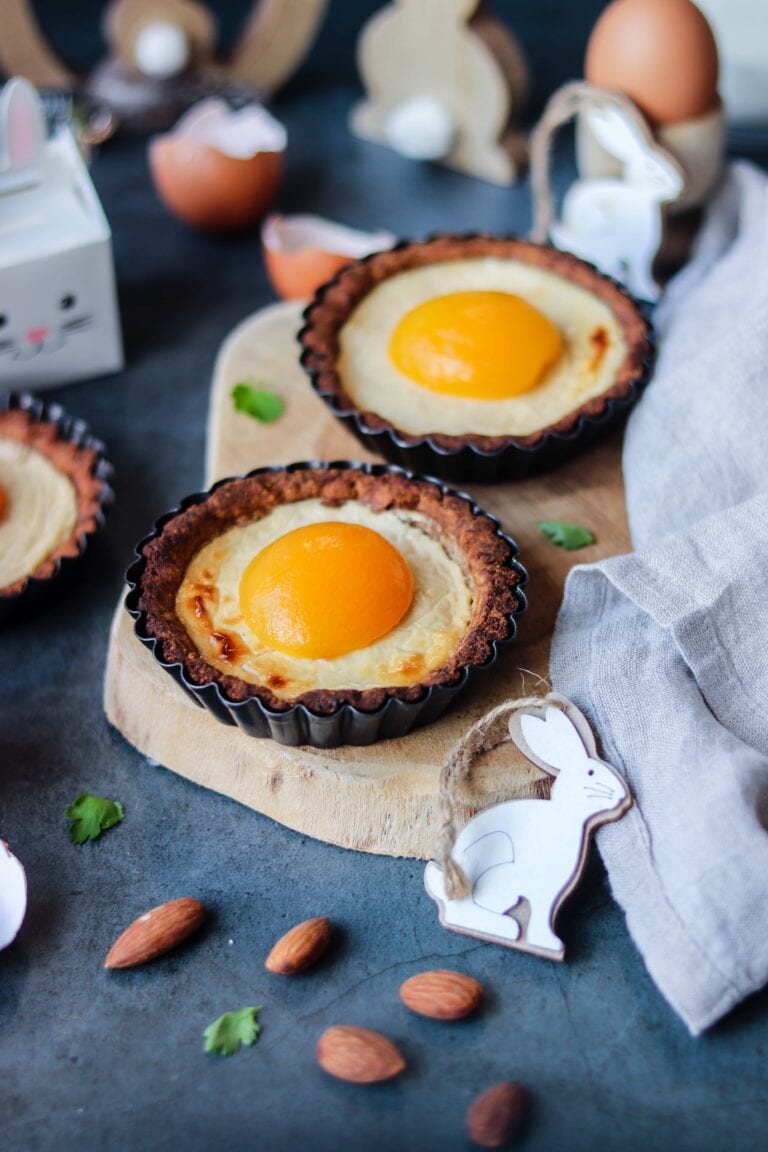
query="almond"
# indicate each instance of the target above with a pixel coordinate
(358, 1055)
(442, 994)
(301, 947)
(496, 1116)
(155, 932)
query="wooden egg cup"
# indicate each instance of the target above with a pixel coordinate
(381, 798)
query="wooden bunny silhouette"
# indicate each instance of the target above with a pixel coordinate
(442, 81)
(533, 850)
(179, 36)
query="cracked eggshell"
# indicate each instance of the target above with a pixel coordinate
(301, 252)
(219, 169)
(13, 896)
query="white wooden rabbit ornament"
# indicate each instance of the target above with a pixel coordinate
(58, 304)
(617, 222)
(529, 851)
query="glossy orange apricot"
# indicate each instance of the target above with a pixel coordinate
(325, 589)
(479, 345)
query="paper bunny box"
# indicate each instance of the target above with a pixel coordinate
(58, 304)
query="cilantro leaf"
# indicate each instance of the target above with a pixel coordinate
(260, 403)
(92, 815)
(566, 535)
(232, 1031)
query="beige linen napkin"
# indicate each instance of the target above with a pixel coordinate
(666, 649)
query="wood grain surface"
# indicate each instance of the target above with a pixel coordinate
(381, 798)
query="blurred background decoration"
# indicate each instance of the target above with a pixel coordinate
(161, 55)
(55, 44)
(236, 46)
(552, 34)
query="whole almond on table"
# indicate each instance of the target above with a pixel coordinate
(358, 1055)
(156, 932)
(496, 1116)
(442, 994)
(301, 947)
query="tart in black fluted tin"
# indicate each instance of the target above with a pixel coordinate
(569, 352)
(242, 598)
(54, 494)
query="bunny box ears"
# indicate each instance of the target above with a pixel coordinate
(505, 875)
(22, 135)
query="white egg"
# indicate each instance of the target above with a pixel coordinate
(13, 896)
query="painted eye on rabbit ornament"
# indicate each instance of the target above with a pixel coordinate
(68, 301)
(3, 320)
(591, 772)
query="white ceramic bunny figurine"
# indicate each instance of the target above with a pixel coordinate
(58, 307)
(533, 850)
(618, 223)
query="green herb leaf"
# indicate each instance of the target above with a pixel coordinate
(566, 535)
(92, 815)
(232, 1031)
(259, 403)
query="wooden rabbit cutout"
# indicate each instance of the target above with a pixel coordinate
(443, 81)
(275, 37)
(526, 850)
(616, 223)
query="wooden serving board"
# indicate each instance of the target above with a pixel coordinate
(381, 798)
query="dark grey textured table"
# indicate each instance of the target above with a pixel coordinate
(92, 1061)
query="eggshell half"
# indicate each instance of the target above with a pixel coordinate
(301, 252)
(209, 190)
(219, 169)
(660, 53)
(13, 896)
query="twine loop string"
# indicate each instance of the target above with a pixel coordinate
(486, 733)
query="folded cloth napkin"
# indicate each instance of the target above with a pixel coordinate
(666, 649)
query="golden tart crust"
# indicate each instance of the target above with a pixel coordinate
(80, 463)
(487, 557)
(335, 302)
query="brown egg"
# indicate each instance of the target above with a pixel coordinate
(207, 189)
(302, 252)
(219, 169)
(660, 53)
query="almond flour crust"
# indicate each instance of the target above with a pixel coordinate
(335, 302)
(471, 540)
(78, 464)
